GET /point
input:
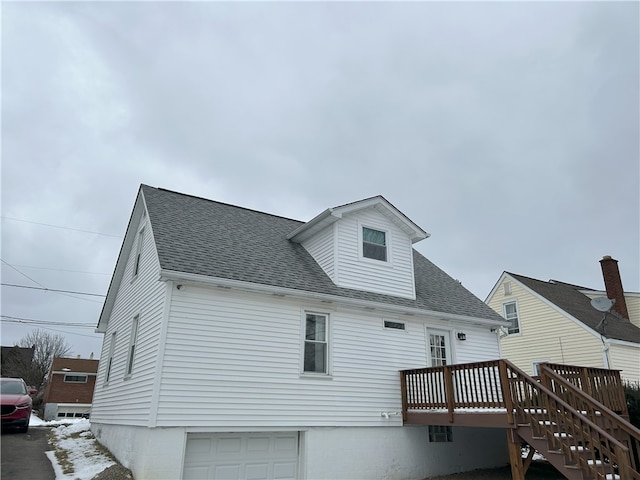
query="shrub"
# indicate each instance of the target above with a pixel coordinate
(632, 396)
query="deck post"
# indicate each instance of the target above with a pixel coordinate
(506, 390)
(403, 392)
(515, 455)
(448, 388)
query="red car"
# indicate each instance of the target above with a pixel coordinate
(16, 403)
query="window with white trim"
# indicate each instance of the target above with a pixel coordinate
(136, 264)
(75, 378)
(374, 244)
(316, 343)
(112, 345)
(132, 345)
(511, 314)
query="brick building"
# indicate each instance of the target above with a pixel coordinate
(70, 386)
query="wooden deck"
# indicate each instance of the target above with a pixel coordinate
(575, 416)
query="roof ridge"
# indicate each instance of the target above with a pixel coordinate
(197, 197)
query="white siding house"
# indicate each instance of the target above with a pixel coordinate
(239, 344)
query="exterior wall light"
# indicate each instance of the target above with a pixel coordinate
(462, 336)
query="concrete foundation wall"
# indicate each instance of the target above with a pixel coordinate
(356, 453)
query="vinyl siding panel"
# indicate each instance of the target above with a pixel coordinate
(127, 400)
(545, 333)
(237, 359)
(633, 307)
(627, 359)
(321, 248)
(394, 277)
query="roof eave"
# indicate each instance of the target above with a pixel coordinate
(224, 283)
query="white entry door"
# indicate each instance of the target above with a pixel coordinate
(438, 348)
(241, 456)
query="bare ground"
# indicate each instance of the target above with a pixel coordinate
(539, 470)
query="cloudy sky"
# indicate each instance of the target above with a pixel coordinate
(509, 131)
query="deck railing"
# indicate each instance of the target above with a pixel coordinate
(499, 384)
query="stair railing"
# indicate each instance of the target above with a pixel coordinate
(597, 412)
(583, 443)
(601, 384)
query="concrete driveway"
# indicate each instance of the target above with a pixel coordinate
(23, 455)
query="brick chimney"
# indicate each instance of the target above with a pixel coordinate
(613, 285)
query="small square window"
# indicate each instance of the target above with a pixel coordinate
(374, 244)
(440, 433)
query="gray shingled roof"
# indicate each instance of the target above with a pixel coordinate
(198, 236)
(569, 298)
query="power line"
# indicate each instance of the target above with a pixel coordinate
(52, 290)
(62, 227)
(43, 287)
(31, 321)
(61, 270)
(68, 333)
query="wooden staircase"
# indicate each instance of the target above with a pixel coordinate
(576, 417)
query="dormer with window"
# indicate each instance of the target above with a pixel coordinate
(365, 245)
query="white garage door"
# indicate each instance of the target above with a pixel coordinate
(241, 456)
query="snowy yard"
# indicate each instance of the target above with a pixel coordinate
(75, 454)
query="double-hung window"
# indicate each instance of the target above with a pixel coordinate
(316, 343)
(132, 344)
(112, 346)
(511, 314)
(138, 257)
(374, 244)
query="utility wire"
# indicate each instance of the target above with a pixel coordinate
(31, 321)
(52, 290)
(61, 270)
(43, 287)
(69, 333)
(60, 226)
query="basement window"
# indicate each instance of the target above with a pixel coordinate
(75, 378)
(440, 433)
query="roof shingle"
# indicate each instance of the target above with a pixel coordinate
(570, 299)
(203, 237)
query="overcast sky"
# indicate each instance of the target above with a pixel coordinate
(509, 131)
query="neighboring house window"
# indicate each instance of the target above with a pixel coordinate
(511, 314)
(136, 265)
(75, 378)
(440, 433)
(374, 244)
(316, 343)
(535, 366)
(110, 357)
(132, 344)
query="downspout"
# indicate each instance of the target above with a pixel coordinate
(605, 353)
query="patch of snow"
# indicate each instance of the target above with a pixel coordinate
(536, 455)
(74, 437)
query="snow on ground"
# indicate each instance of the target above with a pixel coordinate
(80, 457)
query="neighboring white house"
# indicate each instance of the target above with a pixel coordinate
(239, 344)
(555, 322)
